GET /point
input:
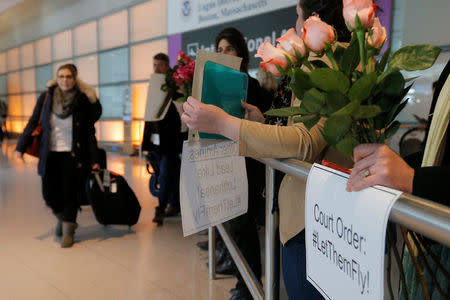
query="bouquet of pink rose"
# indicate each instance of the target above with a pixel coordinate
(179, 78)
(358, 94)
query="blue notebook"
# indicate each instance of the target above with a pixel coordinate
(224, 87)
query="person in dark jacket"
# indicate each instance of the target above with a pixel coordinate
(244, 228)
(3, 115)
(68, 147)
(163, 140)
(424, 174)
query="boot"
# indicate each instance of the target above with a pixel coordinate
(58, 230)
(227, 267)
(68, 233)
(158, 218)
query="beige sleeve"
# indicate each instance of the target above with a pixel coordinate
(271, 141)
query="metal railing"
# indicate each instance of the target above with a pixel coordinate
(423, 216)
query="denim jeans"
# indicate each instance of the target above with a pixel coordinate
(293, 256)
(169, 180)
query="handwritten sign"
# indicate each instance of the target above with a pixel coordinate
(345, 235)
(213, 184)
(156, 107)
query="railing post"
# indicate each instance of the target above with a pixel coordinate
(246, 272)
(212, 252)
(272, 253)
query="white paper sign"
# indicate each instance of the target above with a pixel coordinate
(213, 184)
(345, 235)
(155, 99)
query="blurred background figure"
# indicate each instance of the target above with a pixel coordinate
(3, 115)
(163, 142)
(244, 229)
(267, 81)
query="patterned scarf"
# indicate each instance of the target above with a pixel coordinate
(63, 102)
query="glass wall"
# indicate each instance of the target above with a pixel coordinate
(113, 54)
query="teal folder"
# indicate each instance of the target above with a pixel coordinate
(224, 87)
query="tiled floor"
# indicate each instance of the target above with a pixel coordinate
(147, 262)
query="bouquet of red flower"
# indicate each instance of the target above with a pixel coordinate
(179, 79)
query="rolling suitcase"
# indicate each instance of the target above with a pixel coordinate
(112, 199)
(82, 197)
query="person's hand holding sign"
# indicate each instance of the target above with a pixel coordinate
(210, 119)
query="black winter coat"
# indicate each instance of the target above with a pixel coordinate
(432, 182)
(258, 96)
(84, 144)
(168, 128)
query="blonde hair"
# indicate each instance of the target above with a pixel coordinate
(266, 80)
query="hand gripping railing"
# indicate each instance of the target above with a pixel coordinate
(418, 214)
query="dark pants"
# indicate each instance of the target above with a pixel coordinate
(293, 256)
(169, 180)
(244, 229)
(60, 185)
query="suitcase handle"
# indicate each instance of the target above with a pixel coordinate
(99, 182)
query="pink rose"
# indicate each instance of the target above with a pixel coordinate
(378, 35)
(272, 57)
(291, 42)
(365, 9)
(316, 33)
(271, 68)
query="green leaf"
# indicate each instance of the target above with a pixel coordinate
(393, 84)
(346, 145)
(386, 73)
(392, 129)
(338, 53)
(350, 59)
(337, 125)
(329, 80)
(390, 83)
(331, 140)
(281, 70)
(284, 112)
(326, 110)
(304, 118)
(347, 110)
(381, 65)
(313, 100)
(309, 121)
(336, 101)
(366, 112)
(300, 83)
(362, 88)
(412, 78)
(381, 121)
(358, 23)
(396, 110)
(319, 64)
(414, 57)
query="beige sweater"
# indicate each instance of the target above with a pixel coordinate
(271, 141)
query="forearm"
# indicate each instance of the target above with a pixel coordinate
(261, 140)
(229, 127)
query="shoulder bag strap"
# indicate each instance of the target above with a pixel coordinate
(42, 108)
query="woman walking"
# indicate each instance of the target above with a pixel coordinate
(68, 149)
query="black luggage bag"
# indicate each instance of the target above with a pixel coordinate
(112, 200)
(82, 197)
